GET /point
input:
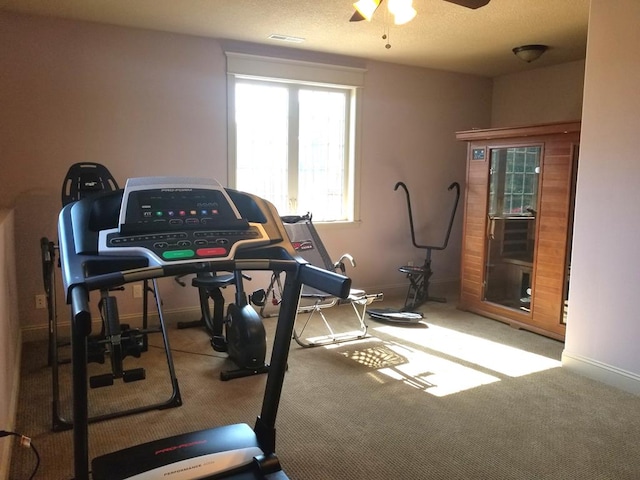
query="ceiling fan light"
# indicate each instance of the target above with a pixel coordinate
(404, 16)
(366, 8)
(402, 10)
(396, 6)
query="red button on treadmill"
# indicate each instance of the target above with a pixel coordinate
(211, 252)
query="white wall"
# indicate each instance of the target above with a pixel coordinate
(604, 321)
(409, 121)
(541, 95)
(150, 103)
(138, 102)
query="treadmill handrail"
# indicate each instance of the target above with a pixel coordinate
(330, 282)
(297, 273)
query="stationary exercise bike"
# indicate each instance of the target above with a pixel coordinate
(418, 276)
(240, 333)
(245, 335)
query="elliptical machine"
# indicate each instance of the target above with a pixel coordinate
(418, 276)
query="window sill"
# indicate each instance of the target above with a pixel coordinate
(338, 224)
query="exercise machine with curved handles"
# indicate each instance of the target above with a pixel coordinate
(419, 276)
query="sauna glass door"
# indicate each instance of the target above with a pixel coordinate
(511, 225)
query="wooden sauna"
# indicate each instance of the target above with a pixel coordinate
(518, 220)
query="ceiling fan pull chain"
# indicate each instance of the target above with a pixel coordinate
(386, 33)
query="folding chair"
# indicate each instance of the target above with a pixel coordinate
(307, 243)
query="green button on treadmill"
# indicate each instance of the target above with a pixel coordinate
(178, 254)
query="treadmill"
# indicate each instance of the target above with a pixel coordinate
(170, 226)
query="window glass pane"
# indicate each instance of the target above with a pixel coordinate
(510, 246)
(292, 147)
(531, 162)
(518, 163)
(293, 134)
(520, 179)
(321, 162)
(530, 184)
(262, 119)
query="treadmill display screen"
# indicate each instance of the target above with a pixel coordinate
(167, 209)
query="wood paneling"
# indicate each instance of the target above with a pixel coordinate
(492, 134)
(553, 219)
(474, 227)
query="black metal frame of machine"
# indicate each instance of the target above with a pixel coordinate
(242, 232)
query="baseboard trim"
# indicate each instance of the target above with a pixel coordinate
(34, 333)
(602, 372)
(442, 287)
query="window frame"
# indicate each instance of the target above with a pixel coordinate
(305, 74)
(501, 198)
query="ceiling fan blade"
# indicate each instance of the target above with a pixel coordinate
(370, 4)
(469, 3)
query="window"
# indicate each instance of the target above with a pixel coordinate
(520, 197)
(513, 189)
(292, 139)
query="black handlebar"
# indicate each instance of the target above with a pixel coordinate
(315, 277)
(86, 269)
(455, 185)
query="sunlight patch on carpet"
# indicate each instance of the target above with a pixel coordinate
(494, 356)
(433, 374)
(416, 369)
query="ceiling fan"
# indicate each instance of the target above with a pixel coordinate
(405, 12)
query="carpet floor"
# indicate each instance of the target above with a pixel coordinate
(465, 398)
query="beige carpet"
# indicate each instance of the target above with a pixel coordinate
(466, 398)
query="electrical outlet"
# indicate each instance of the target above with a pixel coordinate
(410, 263)
(137, 291)
(41, 301)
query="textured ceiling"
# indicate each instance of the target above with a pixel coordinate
(443, 36)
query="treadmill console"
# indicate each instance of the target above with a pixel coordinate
(169, 219)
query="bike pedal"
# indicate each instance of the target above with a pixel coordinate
(219, 344)
(98, 381)
(133, 375)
